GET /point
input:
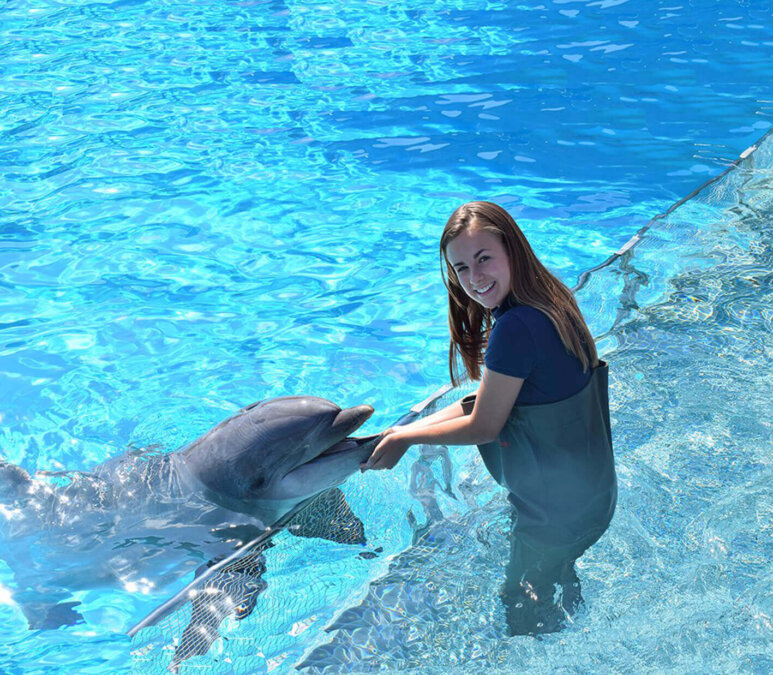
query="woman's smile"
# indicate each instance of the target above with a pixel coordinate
(485, 289)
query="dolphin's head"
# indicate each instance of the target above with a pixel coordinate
(281, 449)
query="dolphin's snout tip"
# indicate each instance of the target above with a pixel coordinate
(363, 411)
(350, 419)
(367, 412)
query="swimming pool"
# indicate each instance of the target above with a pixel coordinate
(205, 205)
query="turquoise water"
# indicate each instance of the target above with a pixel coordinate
(205, 205)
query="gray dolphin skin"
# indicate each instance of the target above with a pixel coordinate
(143, 520)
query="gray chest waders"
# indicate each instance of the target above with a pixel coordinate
(556, 461)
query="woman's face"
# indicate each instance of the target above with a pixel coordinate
(482, 266)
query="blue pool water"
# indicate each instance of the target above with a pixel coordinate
(207, 204)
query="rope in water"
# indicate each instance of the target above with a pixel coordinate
(633, 241)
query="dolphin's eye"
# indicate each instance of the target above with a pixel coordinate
(259, 483)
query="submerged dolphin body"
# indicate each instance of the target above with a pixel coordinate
(144, 520)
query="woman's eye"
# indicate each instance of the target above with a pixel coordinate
(483, 258)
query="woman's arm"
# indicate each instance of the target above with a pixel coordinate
(447, 413)
(496, 396)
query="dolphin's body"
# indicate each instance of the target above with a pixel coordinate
(143, 520)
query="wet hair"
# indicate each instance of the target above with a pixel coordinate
(530, 284)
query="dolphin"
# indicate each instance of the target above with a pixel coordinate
(230, 586)
(144, 519)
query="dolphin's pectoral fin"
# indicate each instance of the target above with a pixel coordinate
(41, 616)
(47, 608)
(329, 517)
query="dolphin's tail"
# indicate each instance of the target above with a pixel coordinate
(14, 482)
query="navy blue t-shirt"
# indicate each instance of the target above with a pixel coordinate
(524, 343)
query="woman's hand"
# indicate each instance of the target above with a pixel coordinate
(388, 452)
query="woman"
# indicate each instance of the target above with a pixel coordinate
(540, 416)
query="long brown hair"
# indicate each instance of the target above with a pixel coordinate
(530, 284)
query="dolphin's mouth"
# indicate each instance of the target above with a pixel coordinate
(347, 444)
(332, 465)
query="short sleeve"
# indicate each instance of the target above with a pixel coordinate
(511, 350)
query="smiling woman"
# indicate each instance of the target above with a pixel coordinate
(540, 416)
(510, 262)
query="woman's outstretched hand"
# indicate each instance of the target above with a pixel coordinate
(388, 452)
